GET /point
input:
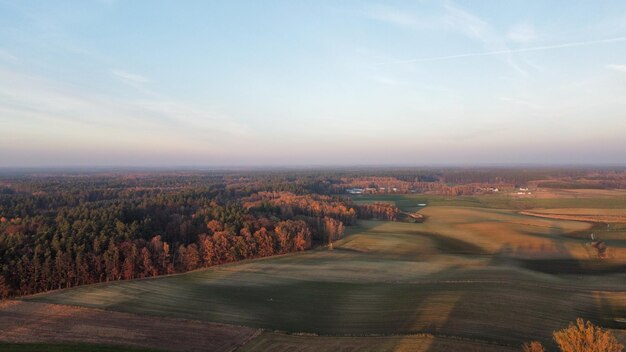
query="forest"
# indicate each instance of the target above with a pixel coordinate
(64, 229)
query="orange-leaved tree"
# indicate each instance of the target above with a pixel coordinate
(534, 346)
(585, 337)
(580, 337)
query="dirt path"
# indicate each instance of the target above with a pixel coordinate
(40, 322)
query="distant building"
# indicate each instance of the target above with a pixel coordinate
(355, 190)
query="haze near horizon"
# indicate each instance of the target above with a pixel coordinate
(154, 83)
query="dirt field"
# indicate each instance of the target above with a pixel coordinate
(38, 322)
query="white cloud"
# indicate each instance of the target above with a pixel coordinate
(392, 16)
(386, 80)
(6, 56)
(619, 68)
(129, 78)
(453, 19)
(478, 29)
(469, 25)
(39, 102)
(521, 102)
(513, 51)
(522, 33)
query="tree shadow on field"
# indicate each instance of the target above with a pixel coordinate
(558, 260)
(460, 311)
(492, 314)
(521, 311)
(504, 314)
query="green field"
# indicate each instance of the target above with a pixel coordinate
(472, 273)
(409, 202)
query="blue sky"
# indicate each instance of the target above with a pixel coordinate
(219, 83)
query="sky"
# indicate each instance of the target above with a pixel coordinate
(299, 83)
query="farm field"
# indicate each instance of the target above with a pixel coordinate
(582, 214)
(464, 272)
(410, 343)
(597, 199)
(588, 211)
(68, 347)
(30, 326)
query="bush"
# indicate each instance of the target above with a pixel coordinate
(580, 337)
(534, 346)
(585, 337)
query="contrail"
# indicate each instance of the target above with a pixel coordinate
(507, 51)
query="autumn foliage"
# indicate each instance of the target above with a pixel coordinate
(585, 337)
(382, 211)
(580, 336)
(533, 346)
(289, 204)
(64, 232)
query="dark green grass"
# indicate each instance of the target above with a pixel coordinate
(343, 308)
(409, 202)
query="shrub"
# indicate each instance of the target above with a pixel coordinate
(585, 337)
(534, 346)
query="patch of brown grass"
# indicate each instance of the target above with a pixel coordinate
(506, 232)
(275, 342)
(581, 214)
(30, 322)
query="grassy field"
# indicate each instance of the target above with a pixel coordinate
(42, 326)
(486, 274)
(410, 343)
(606, 216)
(67, 347)
(580, 199)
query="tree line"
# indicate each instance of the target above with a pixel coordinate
(62, 234)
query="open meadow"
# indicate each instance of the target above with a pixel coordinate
(542, 198)
(480, 274)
